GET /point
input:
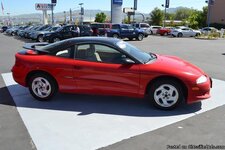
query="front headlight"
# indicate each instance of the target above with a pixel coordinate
(201, 79)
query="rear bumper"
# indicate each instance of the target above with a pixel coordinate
(19, 75)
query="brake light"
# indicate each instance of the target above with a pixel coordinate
(31, 52)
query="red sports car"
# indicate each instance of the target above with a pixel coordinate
(164, 31)
(108, 66)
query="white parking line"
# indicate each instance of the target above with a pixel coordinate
(85, 122)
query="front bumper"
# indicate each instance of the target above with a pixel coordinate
(198, 92)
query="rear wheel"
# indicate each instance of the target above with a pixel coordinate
(165, 94)
(42, 87)
(140, 37)
(179, 35)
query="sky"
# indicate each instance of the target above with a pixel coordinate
(17, 7)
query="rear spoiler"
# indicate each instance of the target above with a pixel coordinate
(32, 46)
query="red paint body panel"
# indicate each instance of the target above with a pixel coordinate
(163, 31)
(131, 80)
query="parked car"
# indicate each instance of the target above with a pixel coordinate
(67, 31)
(143, 26)
(3, 29)
(154, 29)
(28, 31)
(38, 35)
(109, 66)
(206, 30)
(40, 28)
(100, 29)
(125, 31)
(185, 32)
(164, 31)
(22, 32)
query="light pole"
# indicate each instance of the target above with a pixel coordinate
(209, 12)
(8, 18)
(64, 12)
(81, 13)
(164, 20)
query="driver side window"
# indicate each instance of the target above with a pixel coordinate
(109, 55)
(99, 53)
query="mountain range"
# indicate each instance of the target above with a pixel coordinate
(89, 15)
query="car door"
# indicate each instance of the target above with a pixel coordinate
(124, 31)
(67, 32)
(101, 72)
(185, 32)
(63, 67)
(132, 31)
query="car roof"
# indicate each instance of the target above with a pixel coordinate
(78, 40)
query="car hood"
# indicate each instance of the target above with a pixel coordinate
(172, 65)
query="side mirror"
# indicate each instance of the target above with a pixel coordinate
(127, 61)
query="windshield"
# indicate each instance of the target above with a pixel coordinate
(59, 29)
(135, 52)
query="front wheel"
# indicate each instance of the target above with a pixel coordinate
(115, 36)
(55, 39)
(40, 38)
(197, 34)
(165, 94)
(42, 87)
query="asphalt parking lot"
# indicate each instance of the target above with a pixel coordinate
(199, 128)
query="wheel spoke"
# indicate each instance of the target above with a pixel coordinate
(41, 87)
(166, 95)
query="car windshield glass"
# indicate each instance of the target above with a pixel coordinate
(59, 29)
(141, 56)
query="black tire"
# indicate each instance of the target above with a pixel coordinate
(55, 39)
(130, 39)
(165, 94)
(42, 87)
(179, 35)
(40, 38)
(115, 36)
(197, 34)
(140, 37)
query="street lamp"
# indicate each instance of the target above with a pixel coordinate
(8, 18)
(210, 3)
(164, 20)
(81, 13)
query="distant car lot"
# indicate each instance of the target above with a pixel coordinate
(209, 55)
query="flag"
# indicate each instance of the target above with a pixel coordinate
(2, 8)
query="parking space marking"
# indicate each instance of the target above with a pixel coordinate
(84, 122)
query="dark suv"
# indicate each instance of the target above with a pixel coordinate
(67, 31)
(126, 31)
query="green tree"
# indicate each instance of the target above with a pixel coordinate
(194, 18)
(183, 13)
(100, 17)
(156, 16)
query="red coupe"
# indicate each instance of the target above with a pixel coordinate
(108, 66)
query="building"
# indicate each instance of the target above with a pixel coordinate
(218, 12)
